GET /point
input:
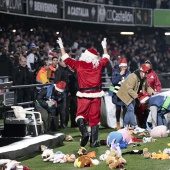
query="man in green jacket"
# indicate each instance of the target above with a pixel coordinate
(129, 91)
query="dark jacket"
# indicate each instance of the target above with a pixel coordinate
(6, 66)
(61, 74)
(21, 76)
(117, 80)
(47, 93)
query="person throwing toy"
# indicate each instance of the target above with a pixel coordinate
(89, 70)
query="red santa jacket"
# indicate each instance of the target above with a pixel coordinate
(88, 76)
(153, 81)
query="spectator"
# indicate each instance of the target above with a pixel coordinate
(52, 68)
(89, 69)
(21, 76)
(61, 74)
(119, 74)
(129, 91)
(6, 65)
(152, 78)
(41, 77)
(46, 103)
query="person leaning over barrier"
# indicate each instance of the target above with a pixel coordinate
(89, 70)
(46, 104)
(159, 105)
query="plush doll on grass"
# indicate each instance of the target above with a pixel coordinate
(85, 161)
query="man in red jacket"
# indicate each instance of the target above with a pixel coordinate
(89, 70)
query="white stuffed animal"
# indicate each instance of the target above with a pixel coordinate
(47, 153)
(59, 157)
(9, 164)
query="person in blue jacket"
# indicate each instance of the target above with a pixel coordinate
(118, 76)
(159, 105)
(46, 103)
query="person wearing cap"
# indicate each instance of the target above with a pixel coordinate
(159, 105)
(155, 84)
(152, 78)
(129, 91)
(89, 70)
(33, 60)
(119, 74)
(46, 103)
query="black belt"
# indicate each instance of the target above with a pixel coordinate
(89, 89)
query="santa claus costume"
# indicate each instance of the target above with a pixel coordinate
(89, 70)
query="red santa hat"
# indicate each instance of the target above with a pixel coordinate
(60, 86)
(123, 62)
(91, 52)
(144, 68)
(143, 97)
(50, 54)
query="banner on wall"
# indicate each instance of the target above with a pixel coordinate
(45, 8)
(98, 13)
(143, 17)
(80, 11)
(15, 6)
(161, 18)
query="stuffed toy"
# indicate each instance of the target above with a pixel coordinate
(69, 138)
(92, 154)
(146, 154)
(83, 161)
(8, 164)
(104, 156)
(47, 153)
(82, 151)
(160, 155)
(117, 137)
(149, 139)
(123, 145)
(58, 157)
(116, 148)
(127, 135)
(114, 161)
(159, 132)
(166, 151)
(70, 158)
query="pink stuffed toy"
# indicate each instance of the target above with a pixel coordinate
(159, 132)
(126, 135)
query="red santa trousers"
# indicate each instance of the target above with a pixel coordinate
(89, 108)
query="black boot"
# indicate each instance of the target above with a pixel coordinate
(94, 137)
(85, 134)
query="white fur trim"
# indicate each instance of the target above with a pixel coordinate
(65, 56)
(144, 99)
(90, 54)
(79, 117)
(60, 90)
(90, 95)
(122, 64)
(106, 56)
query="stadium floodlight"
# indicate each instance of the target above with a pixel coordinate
(57, 32)
(31, 29)
(126, 33)
(14, 30)
(167, 33)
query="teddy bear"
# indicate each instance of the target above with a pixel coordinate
(113, 160)
(83, 161)
(47, 153)
(146, 154)
(104, 156)
(70, 158)
(82, 151)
